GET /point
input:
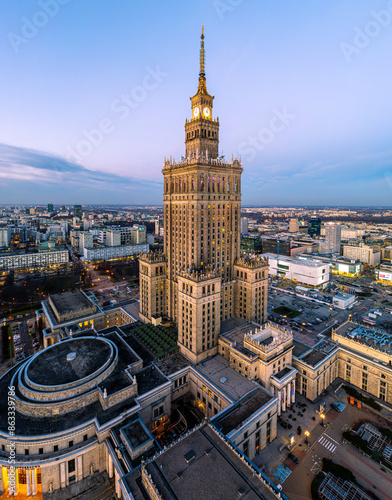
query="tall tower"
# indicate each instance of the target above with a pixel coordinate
(202, 213)
(202, 131)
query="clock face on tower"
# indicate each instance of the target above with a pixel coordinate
(206, 112)
(196, 112)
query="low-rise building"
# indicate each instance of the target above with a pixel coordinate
(365, 358)
(338, 265)
(311, 273)
(263, 353)
(69, 313)
(114, 252)
(19, 260)
(384, 274)
(343, 300)
(317, 367)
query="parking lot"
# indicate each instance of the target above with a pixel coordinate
(316, 317)
(25, 339)
(313, 318)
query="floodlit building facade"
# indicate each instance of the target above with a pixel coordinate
(200, 279)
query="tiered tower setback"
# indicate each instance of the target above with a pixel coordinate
(202, 211)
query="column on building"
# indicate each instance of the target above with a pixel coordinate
(28, 478)
(80, 467)
(62, 475)
(279, 403)
(110, 468)
(34, 481)
(284, 399)
(16, 483)
(288, 395)
(117, 484)
(293, 391)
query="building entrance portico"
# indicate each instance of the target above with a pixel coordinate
(283, 387)
(21, 483)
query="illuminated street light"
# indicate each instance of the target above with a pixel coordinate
(307, 434)
(322, 416)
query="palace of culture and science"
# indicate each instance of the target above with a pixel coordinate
(91, 410)
(200, 280)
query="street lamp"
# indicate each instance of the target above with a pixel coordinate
(322, 416)
(307, 434)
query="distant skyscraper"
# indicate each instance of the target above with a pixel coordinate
(293, 226)
(244, 225)
(332, 238)
(78, 211)
(314, 226)
(50, 207)
(200, 279)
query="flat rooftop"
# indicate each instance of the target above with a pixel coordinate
(234, 385)
(283, 372)
(173, 364)
(231, 323)
(199, 465)
(71, 302)
(293, 260)
(368, 336)
(244, 409)
(136, 434)
(132, 309)
(299, 348)
(149, 378)
(313, 357)
(315, 354)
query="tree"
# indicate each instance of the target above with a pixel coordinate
(299, 430)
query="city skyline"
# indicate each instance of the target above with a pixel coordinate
(302, 95)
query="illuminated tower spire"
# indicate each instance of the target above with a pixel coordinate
(202, 76)
(202, 52)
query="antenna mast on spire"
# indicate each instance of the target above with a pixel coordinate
(202, 52)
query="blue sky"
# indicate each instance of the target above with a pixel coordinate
(94, 95)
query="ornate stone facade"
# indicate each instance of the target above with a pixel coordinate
(202, 212)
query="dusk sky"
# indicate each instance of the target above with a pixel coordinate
(302, 90)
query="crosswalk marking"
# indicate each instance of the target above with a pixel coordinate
(329, 443)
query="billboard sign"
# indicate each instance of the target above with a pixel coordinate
(382, 275)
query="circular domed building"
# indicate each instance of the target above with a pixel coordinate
(70, 407)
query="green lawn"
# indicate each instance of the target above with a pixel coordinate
(286, 311)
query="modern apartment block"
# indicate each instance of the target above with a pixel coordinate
(332, 238)
(364, 253)
(21, 260)
(200, 279)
